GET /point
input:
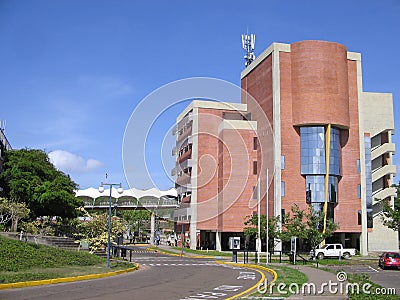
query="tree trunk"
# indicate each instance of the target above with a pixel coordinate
(14, 224)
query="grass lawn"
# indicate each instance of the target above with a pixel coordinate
(22, 261)
(287, 276)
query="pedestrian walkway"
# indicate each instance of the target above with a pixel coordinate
(321, 284)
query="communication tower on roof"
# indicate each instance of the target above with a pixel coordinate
(248, 44)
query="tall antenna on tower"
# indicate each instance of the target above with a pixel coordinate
(248, 44)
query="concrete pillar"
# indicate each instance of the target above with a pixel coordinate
(343, 239)
(218, 241)
(193, 235)
(152, 227)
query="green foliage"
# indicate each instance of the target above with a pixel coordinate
(286, 276)
(29, 177)
(95, 230)
(306, 225)
(29, 227)
(138, 221)
(136, 218)
(251, 229)
(12, 211)
(392, 215)
(18, 256)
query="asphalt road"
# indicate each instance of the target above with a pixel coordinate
(390, 279)
(159, 277)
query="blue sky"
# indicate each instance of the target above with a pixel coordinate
(72, 72)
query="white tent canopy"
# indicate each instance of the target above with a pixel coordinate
(134, 193)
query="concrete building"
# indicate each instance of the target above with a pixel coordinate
(216, 172)
(311, 94)
(4, 146)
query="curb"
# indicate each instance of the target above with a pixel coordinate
(251, 266)
(181, 255)
(15, 285)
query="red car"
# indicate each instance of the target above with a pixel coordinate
(389, 260)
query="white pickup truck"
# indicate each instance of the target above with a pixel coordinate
(333, 250)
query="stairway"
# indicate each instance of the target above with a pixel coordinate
(52, 241)
(61, 242)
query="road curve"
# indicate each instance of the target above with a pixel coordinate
(159, 277)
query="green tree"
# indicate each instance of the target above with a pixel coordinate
(12, 211)
(94, 230)
(307, 225)
(29, 177)
(392, 214)
(251, 229)
(137, 220)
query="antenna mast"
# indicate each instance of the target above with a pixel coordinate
(248, 44)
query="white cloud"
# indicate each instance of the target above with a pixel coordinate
(69, 162)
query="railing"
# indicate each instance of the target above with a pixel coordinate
(159, 203)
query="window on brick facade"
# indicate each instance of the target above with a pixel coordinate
(255, 143)
(254, 192)
(282, 162)
(282, 189)
(255, 167)
(359, 191)
(283, 213)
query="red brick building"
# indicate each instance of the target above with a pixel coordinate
(332, 143)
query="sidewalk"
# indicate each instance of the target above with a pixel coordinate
(194, 255)
(318, 284)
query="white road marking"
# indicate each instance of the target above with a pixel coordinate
(373, 269)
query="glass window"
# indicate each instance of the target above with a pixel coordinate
(359, 191)
(282, 162)
(255, 167)
(255, 196)
(313, 164)
(282, 189)
(312, 150)
(370, 220)
(255, 143)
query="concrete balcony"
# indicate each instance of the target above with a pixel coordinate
(385, 148)
(385, 170)
(174, 171)
(183, 125)
(186, 133)
(179, 167)
(185, 156)
(183, 180)
(383, 194)
(184, 189)
(186, 199)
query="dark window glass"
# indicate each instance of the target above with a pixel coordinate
(255, 167)
(283, 213)
(255, 143)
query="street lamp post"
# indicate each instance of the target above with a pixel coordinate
(120, 190)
